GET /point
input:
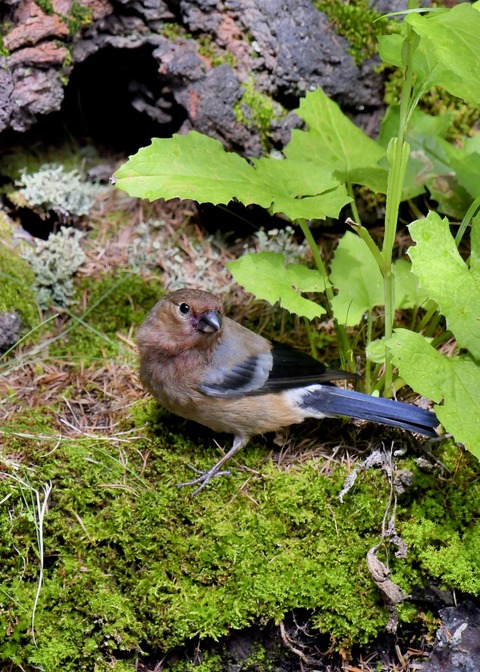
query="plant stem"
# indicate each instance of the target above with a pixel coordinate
(311, 340)
(428, 316)
(397, 154)
(441, 339)
(345, 351)
(472, 210)
(368, 363)
(303, 223)
(372, 246)
(353, 204)
(433, 324)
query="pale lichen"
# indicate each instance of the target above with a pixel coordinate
(54, 263)
(282, 240)
(54, 188)
(193, 261)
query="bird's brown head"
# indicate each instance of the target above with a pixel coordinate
(184, 319)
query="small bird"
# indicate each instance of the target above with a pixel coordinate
(206, 367)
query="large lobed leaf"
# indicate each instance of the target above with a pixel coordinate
(450, 42)
(455, 381)
(301, 189)
(265, 275)
(455, 286)
(447, 53)
(332, 141)
(197, 167)
(192, 166)
(449, 280)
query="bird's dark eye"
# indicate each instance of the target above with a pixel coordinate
(184, 308)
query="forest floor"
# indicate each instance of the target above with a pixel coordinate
(75, 416)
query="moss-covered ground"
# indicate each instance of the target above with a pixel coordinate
(114, 566)
(16, 279)
(131, 563)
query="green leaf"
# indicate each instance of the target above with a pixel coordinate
(465, 165)
(332, 141)
(472, 144)
(447, 53)
(375, 351)
(301, 189)
(359, 282)
(408, 293)
(449, 45)
(449, 281)
(188, 166)
(453, 380)
(356, 276)
(390, 49)
(198, 167)
(264, 274)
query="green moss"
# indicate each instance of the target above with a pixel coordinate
(256, 110)
(438, 102)
(440, 526)
(46, 6)
(3, 50)
(206, 47)
(133, 563)
(67, 62)
(260, 660)
(79, 16)
(116, 302)
(134, 560)
(17, 287)
(358, 23)
(213, 53)
(174, 30)
(209, 663)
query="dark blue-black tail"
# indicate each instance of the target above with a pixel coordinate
(331, 401)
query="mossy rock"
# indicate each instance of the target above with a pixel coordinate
(17, 288)
(358, 23)
(257, 110)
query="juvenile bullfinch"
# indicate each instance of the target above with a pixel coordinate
(205, 367)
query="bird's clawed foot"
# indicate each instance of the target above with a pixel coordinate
(203, 479)
(206, 476)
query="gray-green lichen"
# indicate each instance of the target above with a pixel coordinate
(54, 188)
(283, 241)
(191, 262)
(54, 263)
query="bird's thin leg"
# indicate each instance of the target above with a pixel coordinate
(206, 476)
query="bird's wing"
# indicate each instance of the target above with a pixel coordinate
(240, 364)
(293, 368)
(245, 364)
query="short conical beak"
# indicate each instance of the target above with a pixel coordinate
(210, 321)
